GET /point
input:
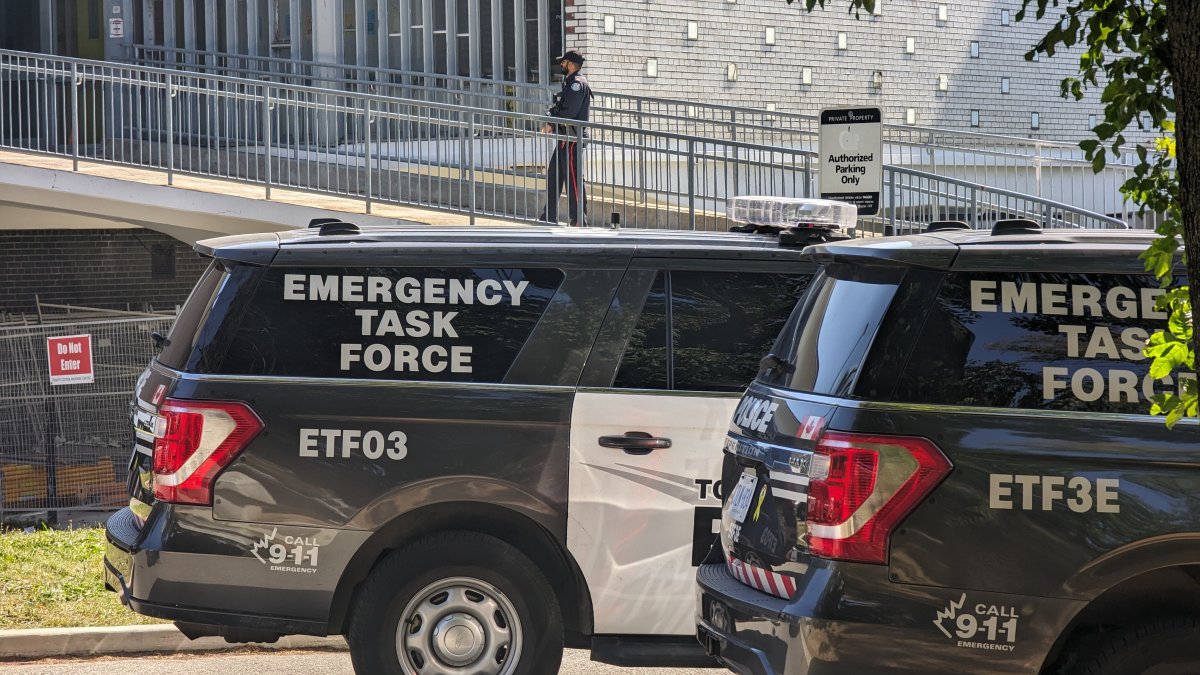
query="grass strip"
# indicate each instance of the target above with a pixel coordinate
(54, 579)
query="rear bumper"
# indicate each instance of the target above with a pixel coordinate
(738, 625)
(851, 619)
(174, 568)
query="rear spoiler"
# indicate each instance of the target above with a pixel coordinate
(249, 249)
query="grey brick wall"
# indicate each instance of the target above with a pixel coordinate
(110, 269)
(733, 32)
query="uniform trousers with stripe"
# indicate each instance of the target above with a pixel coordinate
(565, 170)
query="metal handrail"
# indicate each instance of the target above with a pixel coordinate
(379, 74)
(1022, 164)
(435, 155)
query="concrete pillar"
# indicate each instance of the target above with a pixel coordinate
(360, 33)
(519, 39)
(497, 39)
(543, 40)
(117, 48)
(169, 27)
(189, 27)
(451, 37)
(295, 14)
(383, 28)
(326, 31)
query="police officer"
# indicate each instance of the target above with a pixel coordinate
(565, 169)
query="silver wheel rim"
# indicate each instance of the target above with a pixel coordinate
(459, 626)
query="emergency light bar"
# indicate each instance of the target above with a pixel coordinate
(775, 214)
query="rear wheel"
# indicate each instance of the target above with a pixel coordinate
(456, 603)
(1162, 647)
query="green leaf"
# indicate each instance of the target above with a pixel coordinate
(1098, 162)
(1174, 415)
(1160, 368)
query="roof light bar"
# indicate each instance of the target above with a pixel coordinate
(782, 213)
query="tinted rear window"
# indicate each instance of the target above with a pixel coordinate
(1050, 341)
(822, 346)
(396, 323)
(193, 345)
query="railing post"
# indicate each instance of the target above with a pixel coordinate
(580, 175)
(368, 153)
(1037, 172)
(267, 145)
(892, 194)
(974, 207)
(691, 183)
(641, 151)
(471, 163)
(75, 83)
(807, 175)
(170, 79)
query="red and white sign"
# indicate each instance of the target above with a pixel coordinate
(70, 359)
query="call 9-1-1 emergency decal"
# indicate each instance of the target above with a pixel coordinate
(979, 625)
(287, 553)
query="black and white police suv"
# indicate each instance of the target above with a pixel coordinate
(462, 448)
(945, 465)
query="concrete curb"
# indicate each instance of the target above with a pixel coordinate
(40, 643)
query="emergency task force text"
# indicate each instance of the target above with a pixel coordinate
(403, 356)
(1084, 340)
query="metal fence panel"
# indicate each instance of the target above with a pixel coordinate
(68, 446)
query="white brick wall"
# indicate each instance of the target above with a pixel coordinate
(734, 33)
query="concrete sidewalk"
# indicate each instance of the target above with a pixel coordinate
(39, 643)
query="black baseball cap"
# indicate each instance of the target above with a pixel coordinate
(572, 56)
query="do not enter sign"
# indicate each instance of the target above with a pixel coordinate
(70, 359)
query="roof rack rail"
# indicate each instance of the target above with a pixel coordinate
(1016, 226)
(945, 225)
(318, 222)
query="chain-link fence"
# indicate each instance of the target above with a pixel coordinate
(67, 446)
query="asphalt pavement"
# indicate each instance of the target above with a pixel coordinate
(575, 662)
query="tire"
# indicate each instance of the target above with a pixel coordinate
(493, 610)
(1161, 647)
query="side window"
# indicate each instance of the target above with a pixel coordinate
(720, 325)
(644, 365)
(1041, 341)
(432, 324)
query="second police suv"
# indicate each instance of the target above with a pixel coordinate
(945, 465)
(463, 448)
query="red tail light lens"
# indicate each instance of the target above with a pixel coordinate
(862, 487)
(194, 442)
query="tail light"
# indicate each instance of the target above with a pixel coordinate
(194, 442)
(862, 487)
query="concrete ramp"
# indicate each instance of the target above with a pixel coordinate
(40, 192)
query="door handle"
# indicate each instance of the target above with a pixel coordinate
(635, 442)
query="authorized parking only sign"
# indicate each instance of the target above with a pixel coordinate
(70, 359)
(851, 149)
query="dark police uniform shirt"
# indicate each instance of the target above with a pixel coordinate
(572, 103)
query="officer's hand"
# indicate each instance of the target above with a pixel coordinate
(546, 128)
